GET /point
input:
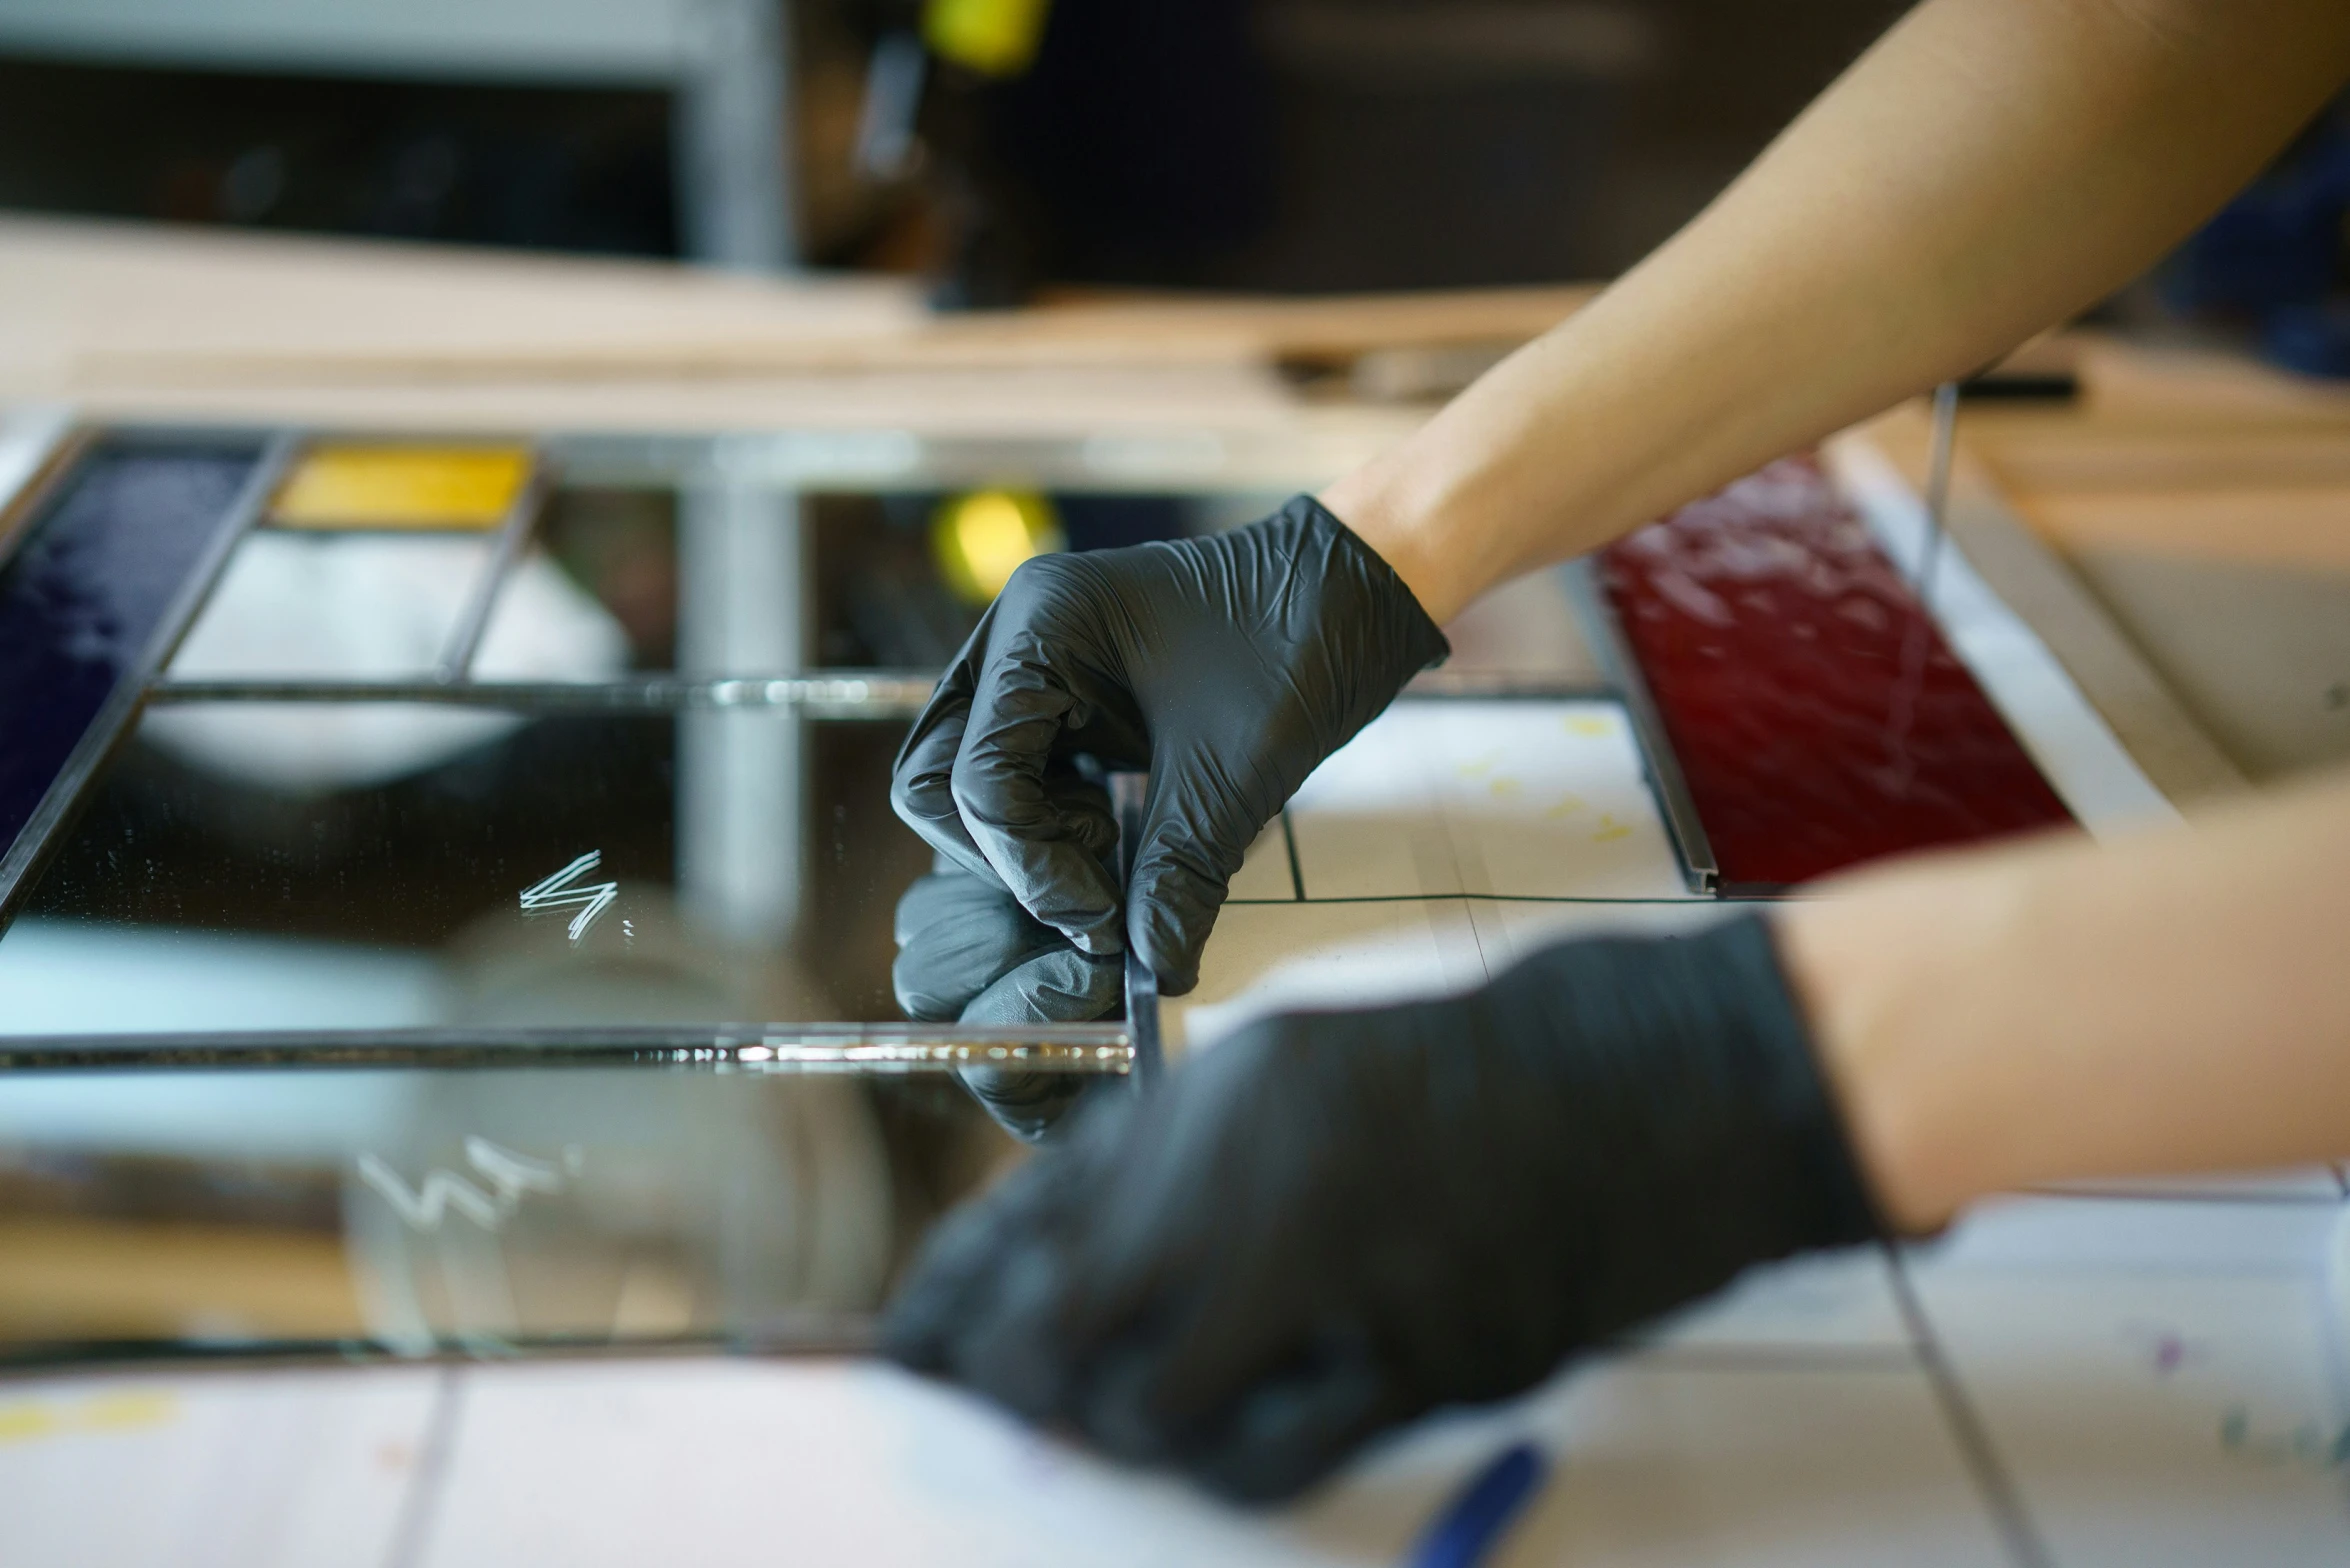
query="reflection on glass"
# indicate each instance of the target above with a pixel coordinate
(420, 1211)
(891, 593)
(332, 605)
(611, 550)
(252, 866)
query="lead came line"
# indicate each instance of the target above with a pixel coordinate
(2006, 1505)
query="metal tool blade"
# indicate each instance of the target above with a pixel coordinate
(1937, 490)
(1128, 794)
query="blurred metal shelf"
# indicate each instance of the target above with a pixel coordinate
(727, 62)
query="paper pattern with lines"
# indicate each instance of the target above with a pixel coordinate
(1518, 798)
(2156, 1382)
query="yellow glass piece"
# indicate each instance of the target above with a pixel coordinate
(992, 37)
(354, 486)
(981, 538)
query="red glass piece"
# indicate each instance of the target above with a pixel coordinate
(1818, 716)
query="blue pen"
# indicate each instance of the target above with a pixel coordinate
(1481, 1513)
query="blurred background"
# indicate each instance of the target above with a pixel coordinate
(999, 148)
(996, 145)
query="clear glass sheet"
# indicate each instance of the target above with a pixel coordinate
(299, 605)
(746, 577)
(489, 876)
(413, 1212)
(87, 592)
(599, 595)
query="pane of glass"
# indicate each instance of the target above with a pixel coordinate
(605, 555)
(255, 866)
(295, 605)
(415, 1211)
(85, 595)
(901, 578)
(753, 578)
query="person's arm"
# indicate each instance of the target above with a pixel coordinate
(2058, 1010)
(1988, 168)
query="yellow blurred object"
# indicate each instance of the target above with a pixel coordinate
(981, 538)
(992, 37)
(352, 486)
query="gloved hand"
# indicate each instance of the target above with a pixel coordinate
(1333, 1222)
(1228, 667)
(968, 953)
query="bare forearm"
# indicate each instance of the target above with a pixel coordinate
(1988, 168)
(2178, 1001)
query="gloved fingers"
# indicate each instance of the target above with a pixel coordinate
(939, 1303)
(1217, 1313)
(1294, 1428)
(1010, 1349)
(1030, 1104)
(1182, 1189)
(958, 935)
(1180, 880)
(1036, 1203)
(1184, 1257)
(1044, 835)
(921, 787)
(1060, 986)
(1291, 1414)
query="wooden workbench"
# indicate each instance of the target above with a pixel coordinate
(2180, 533)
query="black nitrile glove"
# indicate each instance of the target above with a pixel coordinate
(1333, 1222)
(968, 953)
(1226, 667)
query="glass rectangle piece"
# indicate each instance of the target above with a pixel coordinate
(360, 485)
(325, 606)
(96, 583)
(478, 877)
(600, 595)
(1812, 704)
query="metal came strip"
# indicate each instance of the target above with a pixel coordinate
(878, 694)
(94, 601)
(858, 1048)
(1600, 628)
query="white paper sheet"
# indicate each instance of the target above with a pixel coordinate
(216, 1470)
(1527, 799)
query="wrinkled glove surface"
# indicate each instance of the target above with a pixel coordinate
(1332, 1222)
(1227, 667)
(968, 953)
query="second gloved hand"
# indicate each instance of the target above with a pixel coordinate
(1335, 1221)
(1227, 667)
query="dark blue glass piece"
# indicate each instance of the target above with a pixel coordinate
(85, 597)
